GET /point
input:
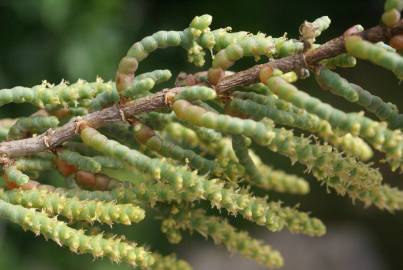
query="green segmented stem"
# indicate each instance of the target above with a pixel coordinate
(207, 106)
(61, 94)
(336, 84)
(179, 129)
(158, 76)
(220, 38)
(207, 140)
(258, 210)
(81, 148)
(31, 125)
(311, 30)
(256, 46)
(243, 101)
(224, 168)
(321, 24)
(139, 87)
(121, 132)
(192, 93)
(363, 49)
(138, 192)
(374, 104)
(33, 164)
(157, 120)
(74, 209)
(258, 88)
(181, 134)
(278, 180)
(140, 50)
(47, 155)
(383, 110)
(343, 60)
(263, 176)
(16, 176)
(148, 137)
(103, 99)
(222, 233)
(385, 197)
(109, 162)
(241, 152)
(294, 117)
(162, 39)
(202, 134)
(205, 134)
(377, 134)
(286, 47)
(82, 194)
(76, 240)
(81, 162)
(196, 115)
(112, 148)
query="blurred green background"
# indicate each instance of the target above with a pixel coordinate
(71, 39)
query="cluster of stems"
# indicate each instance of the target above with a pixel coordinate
(130, 150)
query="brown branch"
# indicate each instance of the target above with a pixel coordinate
(157, 101)
(51, 139)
